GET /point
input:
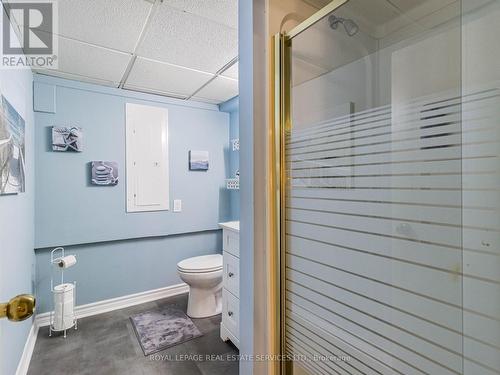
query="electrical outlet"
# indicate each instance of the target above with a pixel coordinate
(177, 205)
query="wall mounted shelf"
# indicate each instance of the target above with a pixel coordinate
(233, 183)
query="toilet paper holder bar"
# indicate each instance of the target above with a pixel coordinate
(62, 315)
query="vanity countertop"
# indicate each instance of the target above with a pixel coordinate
(231, 225)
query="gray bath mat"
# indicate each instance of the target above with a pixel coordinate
(160, 329)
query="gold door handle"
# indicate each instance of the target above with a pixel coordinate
(18, 308)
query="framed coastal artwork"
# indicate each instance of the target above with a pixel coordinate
(12, 150)
(104, 173)
(67, 138)
(198, 160)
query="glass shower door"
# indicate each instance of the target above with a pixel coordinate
(373, 253)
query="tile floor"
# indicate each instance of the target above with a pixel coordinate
(106, 344)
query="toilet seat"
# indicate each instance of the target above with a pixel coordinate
(201, 264)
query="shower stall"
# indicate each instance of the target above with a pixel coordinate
(387, 131)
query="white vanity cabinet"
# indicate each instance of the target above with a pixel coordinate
(230, 325)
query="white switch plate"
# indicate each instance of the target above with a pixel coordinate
(177, 205)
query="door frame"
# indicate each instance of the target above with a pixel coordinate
(281, 123)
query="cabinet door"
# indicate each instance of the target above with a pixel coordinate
(231, 242)
(231, 312)
(231, 276)
(147, 158)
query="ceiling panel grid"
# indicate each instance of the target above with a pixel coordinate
(181, 48)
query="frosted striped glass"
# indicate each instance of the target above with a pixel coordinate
(392, 213)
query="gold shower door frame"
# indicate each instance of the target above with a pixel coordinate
(281, 123)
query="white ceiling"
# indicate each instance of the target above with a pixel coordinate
(181, 48)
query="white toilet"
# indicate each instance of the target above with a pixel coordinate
(203, 274)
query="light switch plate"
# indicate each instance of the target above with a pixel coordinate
(177, 205)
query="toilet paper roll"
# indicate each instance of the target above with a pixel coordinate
(63, 292)
(63, 306)
(67, 261)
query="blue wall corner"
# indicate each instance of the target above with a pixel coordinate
(232, 106)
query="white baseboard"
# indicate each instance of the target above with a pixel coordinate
(112, 304)
(82, 311)
(24, 362)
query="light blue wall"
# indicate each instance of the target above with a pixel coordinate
(246, 42)
(116, 268)
(17, 226)
(121, 253)
(71, 211)
(232, 107)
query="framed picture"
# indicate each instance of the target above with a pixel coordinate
(12, 149)
(67, 139)
(198, 160)
(104, 173)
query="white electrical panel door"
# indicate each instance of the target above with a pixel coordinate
(147, 158)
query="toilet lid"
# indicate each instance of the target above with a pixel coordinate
(204, 263)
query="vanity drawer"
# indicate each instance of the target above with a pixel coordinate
(231, 277)
(231, 242)
(231, 312)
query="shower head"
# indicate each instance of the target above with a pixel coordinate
(351, 27)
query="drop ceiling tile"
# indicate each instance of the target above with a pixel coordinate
(187, 40)
(85, 60)
(166, 78)
(75, 77)
(219, 90)
(114, 24)
(232, 72)
(220, 11)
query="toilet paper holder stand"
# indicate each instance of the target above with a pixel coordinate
(56, 260)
